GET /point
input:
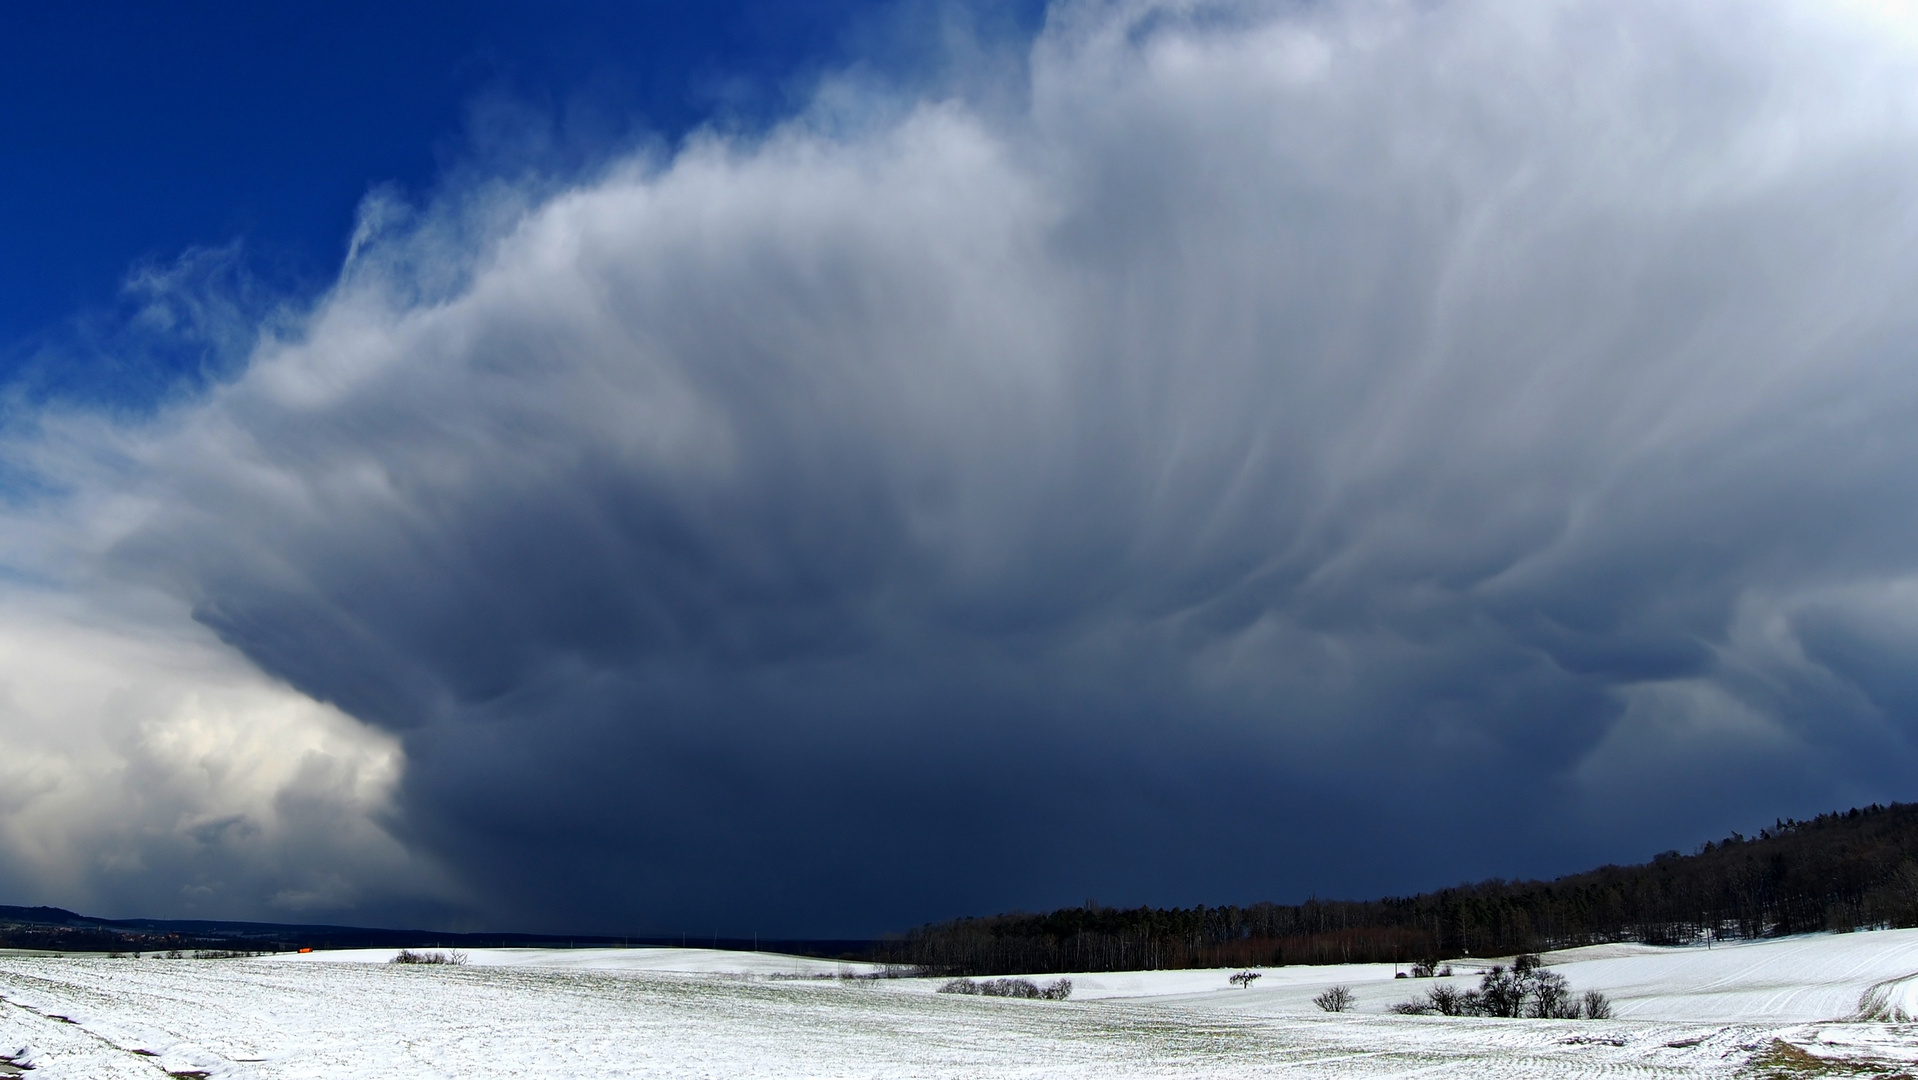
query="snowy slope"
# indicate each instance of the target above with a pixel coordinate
(1816, 977)
(591, 1014)
(1791, 980)
(689, 961)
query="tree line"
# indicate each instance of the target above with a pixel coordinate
(1840, 871)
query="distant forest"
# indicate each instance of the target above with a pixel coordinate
(1842, 871)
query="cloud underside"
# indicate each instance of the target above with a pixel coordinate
(1209, 478)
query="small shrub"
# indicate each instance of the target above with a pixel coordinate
(1565, 1010)
(1243, 979)
(1010, 988)
(1526, 989)
(1336, 999)
(455, 958)
(1425, 969)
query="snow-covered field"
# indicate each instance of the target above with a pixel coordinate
(1754, 1008)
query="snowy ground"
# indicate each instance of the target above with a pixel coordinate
(1785, 1008)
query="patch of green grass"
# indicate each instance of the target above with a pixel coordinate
(1783, 1061)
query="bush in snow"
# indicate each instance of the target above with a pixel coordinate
(1442, 1000)
(1243, 979)
(455, 958)
(1336, 999)
(1527, 989)
(1500, 993)
(1012, 988)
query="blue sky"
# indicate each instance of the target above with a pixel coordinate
(139, 132)
(809, 471)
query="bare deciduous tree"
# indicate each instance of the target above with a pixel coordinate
(1501, 993)
(1551, 995)
(1336, 999)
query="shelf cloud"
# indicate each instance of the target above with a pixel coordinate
(1261, 449)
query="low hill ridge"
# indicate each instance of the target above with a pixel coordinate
(1839, 871)
(57, 929)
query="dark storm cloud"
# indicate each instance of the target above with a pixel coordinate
(1285, 424)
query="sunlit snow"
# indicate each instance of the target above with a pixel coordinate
(592, 1013)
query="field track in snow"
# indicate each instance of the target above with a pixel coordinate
(1750, 1009)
